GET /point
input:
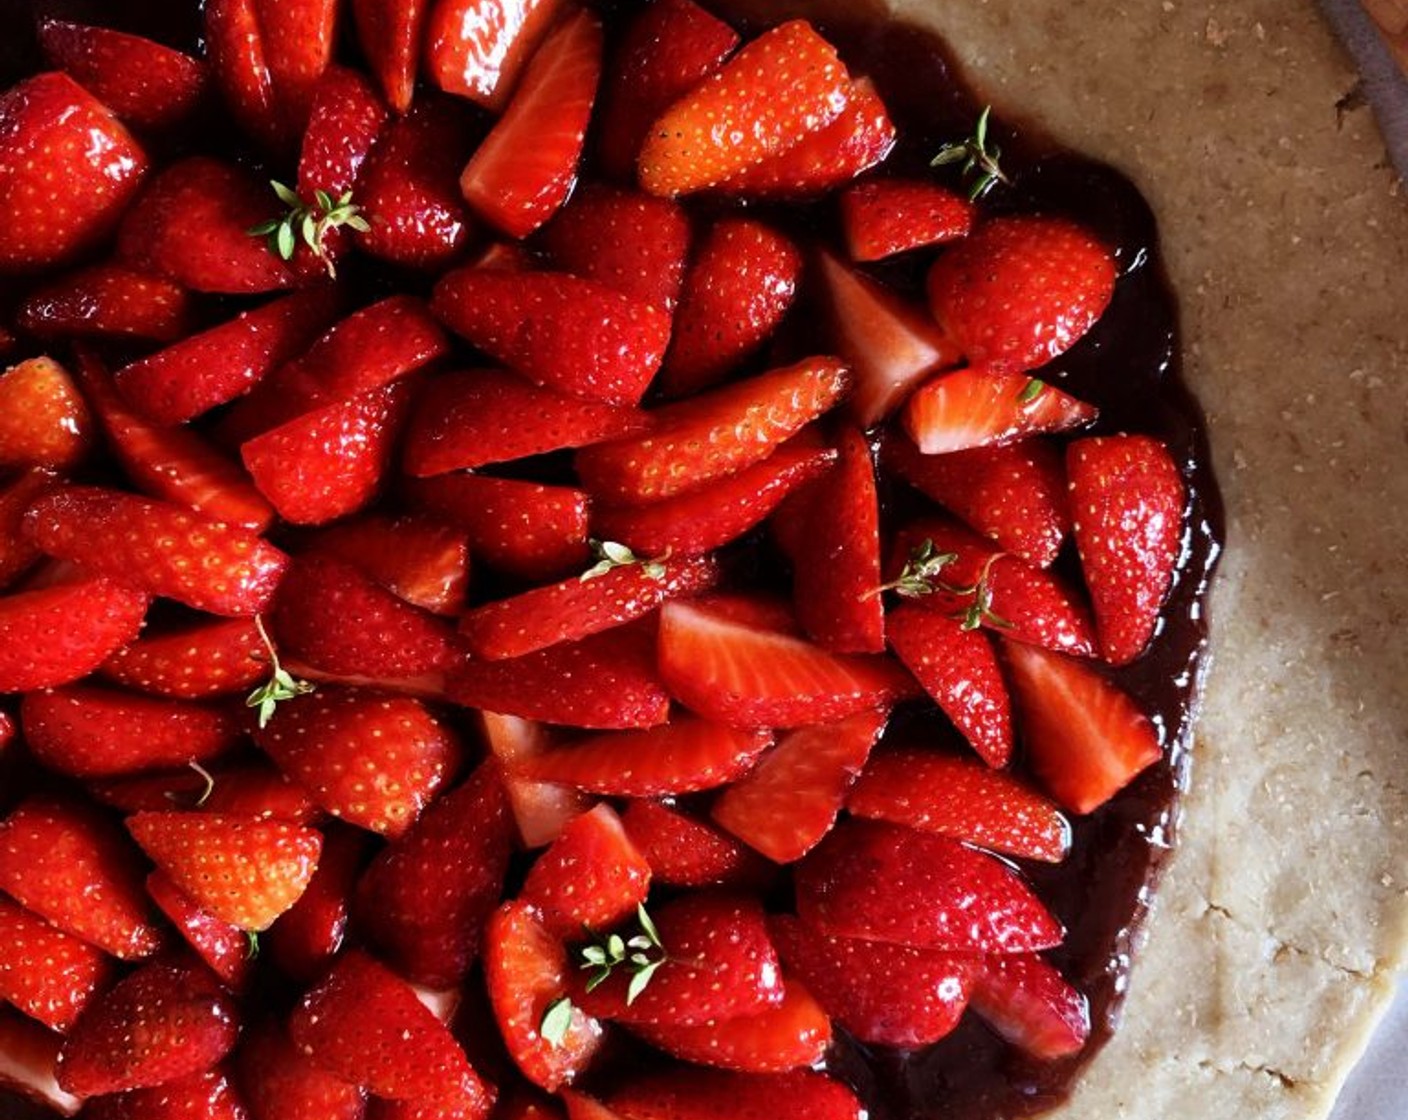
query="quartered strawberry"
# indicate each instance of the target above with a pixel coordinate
(297, 37)
(699, 1094)
(665, 50)
(478, 48)
(794, 795)
(68, 169)
(886, 995)
(164, 1022)
(375, 761)
(541, 810)
(49, 975)
(527, 971)
(28, 1055)
(783, 85)
(208, 1095)
(310, 933)
(746, 675)
(982, 406)
(107, 300)
(416, 558)
(390, 33)
(1127, 499)
(883, 217)
(694, 442)
(882, 883)
(889, 343)
(523, 171)
(17, 552)
(161, 548)
(478, 417)
(282, 1083)
(683, 756)
(685, 852)
(242, 789)
(958, 668)
(1086, 739)
(581, 606)
(1021, 290)
(592, 875)
(740, 285)
(953, 796)
(1029, 1004)
(1014, 494)
(234, 50)
(58, 634)
(100, 733)
(215, 657)
(145, 83)
(44, 421)
(569, 334)
(225, 949)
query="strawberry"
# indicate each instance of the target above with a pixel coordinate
(425, 898)
(297, 37)
(68, 169)
(883, 883)
(478, 48)
(629, 241)
(44, 421)
(891, 344)
(475, 418)
(164, 549)
(73, 867)
(576, 336)
(415, 558)
(957, 797)
(745, 675)
(582, 605)
(527, 972)
(541, 810)
(791, 800)
(885, 995)
(199, 1096)
(523, 171)
(665, 50)
(699, 521)
(390, 33)
(163, 1022)
(522, 1105)
(310, 933)
(224, 948)
(1021, 291)
(1086, 738)
(46, 973)
(98, 732)
(145, 83)
(58, 634)
(958, 668)
(1128, 501)
(591, 875)
(739, 287)
(243, 789)
(403, 755)
(17, 552)
(792, 1035)
(471, 1099)
(714, 435)
(215, 657)
(683, 756)
(28, 1055)
(982, 406)
(365, 1024)
(861, 137)
(582, 1107)
(234, 50)
(783, 85)
(524, 529)
(684, 852)
(1027, 1002)
(1014, 494)
(883, 217)
(107, 300)
(281, 1083)
(700, 1094)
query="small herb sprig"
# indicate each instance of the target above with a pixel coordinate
(923, 575)
(978, 159)
(611, 555)
(280, 686)
(311, 223)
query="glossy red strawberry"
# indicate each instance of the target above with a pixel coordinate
(883, 217)
(234, 47)
(17, 552)
(44, 421)
(478, 48)
(58, 634)
(541, 810)
(310, 933)
(697, 1094)
(224, 948)
(107, 300)
(685, 852)
(280, 1083)
(417, 559)
(28, 1055)
(1028, 1003)
(982, 406)
(241, 789)
(592, 875)
(297, 37)
(390, 33)
(49, 975)
(208, 1095)
(215, 657)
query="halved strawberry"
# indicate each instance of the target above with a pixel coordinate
(234, 49)
(700, 1094)
(209, 1095)
(1028, 1003)
(793, 797)
(310, 933)
(58, 634)
(878, 882)
(215, 657)
(685, 852)
(783, 85)
(883, 217)
(592, 875)
(417, 559)
(1086, 738)
(17, 552)
(282, 1083)
(242, 789)
(107, 300)
(523, 171)
(982, 406)
(478, 48)
(49, 975)
(44, 421)
(226, 949)
(541, 810)
(28, 1055)
(390, 33)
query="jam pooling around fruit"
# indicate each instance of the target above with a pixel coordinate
(1128, 366)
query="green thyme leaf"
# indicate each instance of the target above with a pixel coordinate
(556, 1022)
(1031, 390)
(611, 555)
(640, 955)
(280, 686)
(309, 222)
(980, 163)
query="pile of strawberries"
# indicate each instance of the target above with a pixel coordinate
(454, 603)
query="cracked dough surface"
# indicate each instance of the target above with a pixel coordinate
(1284, 916)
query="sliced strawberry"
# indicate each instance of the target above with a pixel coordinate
(582, 1107)
(983, 407)
(163, 1022)
(479, 417)
(1027, 1002)
(1128, 501)
(44, 421)
(783, 85)
(1086, 738)
(68, 169)
(145, 83)
(58, 634)
(573, 335)
(522, 1105)
(700, 1094)
(523, 171)
(1022, 290)
(883, 217)
(46, 973)
(99, 733)
(17, 552)
(107, 300)
(310, 933)
(416, 558)
(478, 48)
(234, 49)
(591, 876)
(882, 883)
(223, 947)
(793, 797)
(886, 995)
(526, 969)
(684, 852)
(470, 1099)
(217, 657)
(28, 1055)
(740, 285)
(281, 1083)
(541, 810)
(209, 1095)
(747, 676)
(298, 37)
(244, 789)
(390, 33)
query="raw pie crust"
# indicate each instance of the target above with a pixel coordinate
(1283, 917)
